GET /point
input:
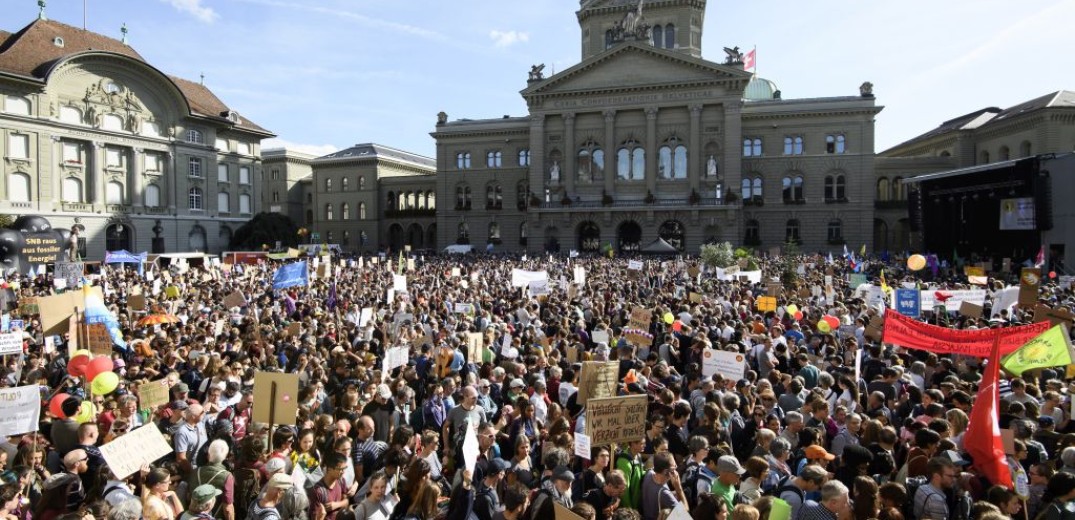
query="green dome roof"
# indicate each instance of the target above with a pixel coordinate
(760, 89)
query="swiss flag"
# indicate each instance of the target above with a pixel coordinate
(749, 59)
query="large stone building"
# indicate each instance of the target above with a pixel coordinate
(644, 138)
(96, 137)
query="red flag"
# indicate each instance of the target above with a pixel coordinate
(982, 439)
(1040, 259)
(749, 59)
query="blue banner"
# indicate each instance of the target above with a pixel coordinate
(290, 275)
(908, 302)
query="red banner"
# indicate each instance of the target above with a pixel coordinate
(911, 333)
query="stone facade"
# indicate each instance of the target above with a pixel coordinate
(284, 191)
(101, 139)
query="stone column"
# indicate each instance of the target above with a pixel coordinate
(568, 168)
(135, 171)
(169, 173)
(538, 172)
(651, 150)
(55, 172)
(732, 162)
(95, 175)
(610, 152)
(695, 155)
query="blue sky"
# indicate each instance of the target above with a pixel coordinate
(325, 74)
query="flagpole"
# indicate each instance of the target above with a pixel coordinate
(755, 60)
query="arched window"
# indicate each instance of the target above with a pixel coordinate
(522, 233)
(835, 143)
(752, 234)
(752, 147)
(883, 189)
(328, 211)
(835, 188)
(1024, 149)
(836, 231)
(494, 159)
(344, 182)
(112, 122)
(244, 204)
(984, 157)
(361, 211)
(672, 160)
(658, 36)
(18, 187)
(328, 184)
(195, 136)
(225, 234)
(72, 190)
(463, 233)
(223, 202)
(152, 196)
(462, 160)
(17, 105)
(1004, 154)
(670, 36)
(793, 189)
(745, 193)
(494, 233)
(494, 197)
(631, 161)
(71, 115)
(898, 192)
(590, 165)
(522, 195)
(196, 238)
(345, 211)
(756, 191)
(791, 231)
(524, 157)
(194, 199)
(462, 197)
(431, 200)
(361, 182)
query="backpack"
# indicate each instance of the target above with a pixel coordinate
(690, 485)
(958, 505)
(786, 486)
(247, 488)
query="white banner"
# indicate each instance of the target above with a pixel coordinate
(634, 265)
(522, 278)
(730, 365)
(1004, 299)
(20, 410)
(954, 300)
(539, 287)
(10, 343)
(464, 308)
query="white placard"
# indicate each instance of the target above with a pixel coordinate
(470, 448)
(464, 308)
(10, 343)
(522, 277)
(399, 282)
(391, 296)
(539, 287)
(580, 275)
(456, 272)
(858, 365)
(600, 336)
(955, 299)
(634, 265)
(395, 357)
(365, 317)
(20, 410)
(582, 445)
(129, 452)
(730, 365)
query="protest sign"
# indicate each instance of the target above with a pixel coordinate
(695, 297)
(1029, 284)
(855, 280)
(730, 365)
(69, 271)
(970, 310)
(952, 299)
(464, 308)
(153, 394)
(56, 309)
(600, 336)
(580, 275)
(539, 287)
(475, 344)
(28, 306)
(616, 420)
(582, 445)
(276, 398)
(10, 343)
(640, 318)
(136, 302)
(1054, 316)
(20, 410)
(693, 271)
(875, 329)
(399, 282)
(98, 340)
(294, 329)
(907, 302)
(129, 452)
(634, 265)
(773, 289)
(395, 357)
(973, 271)
(522, 277)
(766, 303)
(562, 513)
(471, 450)
(910, 333)
(598, 379)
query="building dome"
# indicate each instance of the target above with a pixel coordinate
(760, 89)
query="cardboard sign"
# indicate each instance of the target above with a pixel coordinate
(973, 271)
(572, 354)
(598, 379)
(695, 297)
(294, 329)
(20, 410)
(970, 310)
(1055, 316)
(129, 452)
(616, 420)
(640, 318)
(279, 405)
(98, 340)
(235, 299)
(475, 344)
(56, 309)
(10, 343)
(136, 302)
(730, 365)
(28, 306)
(1029, 284)
(152, 394)
(563, 513)
(875, 330)
(773, 289)
(693, 271)
(766, 303)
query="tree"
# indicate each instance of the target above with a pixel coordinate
(718, 255)
(265, 228)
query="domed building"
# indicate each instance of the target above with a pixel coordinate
(760, 89)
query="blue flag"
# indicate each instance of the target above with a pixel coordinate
(290, 275)
(332, 299)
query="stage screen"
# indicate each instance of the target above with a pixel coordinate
(1017, 214)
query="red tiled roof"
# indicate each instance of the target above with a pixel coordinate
(32, 51)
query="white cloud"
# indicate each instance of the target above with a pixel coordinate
(313, 149)
(195, 8)
(502, 39)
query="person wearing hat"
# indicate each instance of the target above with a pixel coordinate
(810, 479)
(486, 500)
(556, 489)
(216, 475)
(265, 507)
(728, 471)
(661, 487)
(202, 501)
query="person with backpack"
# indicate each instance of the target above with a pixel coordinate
(629, 462)
(930, 499)
(202, 502)
(557, 488)
(794, 491)
(266, 506)
(729, 471)
(217, 476)
(486, 501)
(701, 481)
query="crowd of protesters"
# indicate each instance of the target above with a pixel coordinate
(797, 431)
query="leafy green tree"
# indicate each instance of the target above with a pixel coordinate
(718, 255)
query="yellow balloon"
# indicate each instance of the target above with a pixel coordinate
(81, 352)
(668, 318)
(792, 309)
(105, 383)
(823, 326)
(86, 412)
(916, 262)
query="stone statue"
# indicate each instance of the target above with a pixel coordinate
(536, 73)
(734, 56)
(554, 172)
(866, 89)
(711, 167)
(72, 245)
(442, 118)
(633, 20)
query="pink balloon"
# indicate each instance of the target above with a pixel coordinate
(97, 366)
(798, 315)
(832, 321)
(56, 405)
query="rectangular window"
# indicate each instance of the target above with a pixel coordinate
(222, 145)
(244, 175)
(113, 158)
(223, 202)
(244, 148)
(18, 146)
(153, 162)
(72, 153)
(244, 204)
(222, 172)
(195, 168)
